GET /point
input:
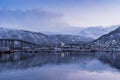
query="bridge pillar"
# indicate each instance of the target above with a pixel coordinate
(21, 45)
(12, 44)
(5, 43)
(1, 43)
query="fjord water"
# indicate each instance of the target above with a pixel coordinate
(58, 67)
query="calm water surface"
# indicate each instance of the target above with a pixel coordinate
(58, 68)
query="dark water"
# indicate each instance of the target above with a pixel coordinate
(58, 67)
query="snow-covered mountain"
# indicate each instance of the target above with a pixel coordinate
(40, 38)
(96, 32)
(33, 37)
(110, 40)
(69, 39)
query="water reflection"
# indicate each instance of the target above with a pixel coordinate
(45, 58)
(58, 67)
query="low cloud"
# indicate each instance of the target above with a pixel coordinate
(33, 19)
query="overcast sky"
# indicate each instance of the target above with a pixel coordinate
(39, 15)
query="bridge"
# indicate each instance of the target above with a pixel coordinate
(8, 46)
(13, 44)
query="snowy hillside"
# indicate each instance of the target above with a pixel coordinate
(70, 38)
(96, 32)
(110, 40)
(24, 35)
(40, 38)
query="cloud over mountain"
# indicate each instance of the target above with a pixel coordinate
(32, 19)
